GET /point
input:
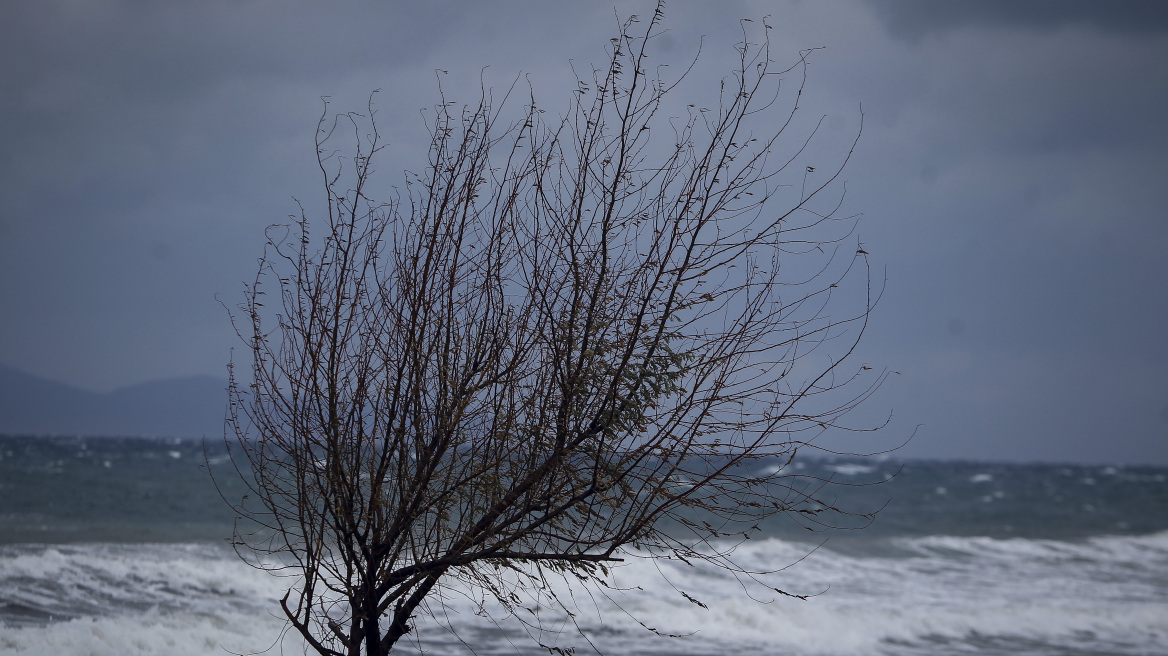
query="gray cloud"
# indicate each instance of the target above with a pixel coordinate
(912, 19)
(1011, 174)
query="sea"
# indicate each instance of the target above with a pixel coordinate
(112, 546)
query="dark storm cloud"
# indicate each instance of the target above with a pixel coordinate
(146, 145)
(141, 144)
(1012, 182)
(1010, 172)
(913, 19)
(106, 97)
(112, 100)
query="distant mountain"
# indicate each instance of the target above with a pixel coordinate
(177, 407)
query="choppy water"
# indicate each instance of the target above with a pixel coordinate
(116, 547)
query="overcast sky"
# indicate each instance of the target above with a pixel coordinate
(1012, 174)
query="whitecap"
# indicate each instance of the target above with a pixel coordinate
(851, 469)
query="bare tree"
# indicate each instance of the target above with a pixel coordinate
(564, 342)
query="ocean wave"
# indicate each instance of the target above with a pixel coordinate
(61, 582)
(152, 632)
(939, 594)
(902, 596)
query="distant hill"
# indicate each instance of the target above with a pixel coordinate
(177, 407)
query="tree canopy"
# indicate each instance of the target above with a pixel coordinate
(564, 342)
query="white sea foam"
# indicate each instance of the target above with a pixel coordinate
(70, 581)
(932, 595)
(1110, 593)
(151, 632)
(134, 599)
(851, 469)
